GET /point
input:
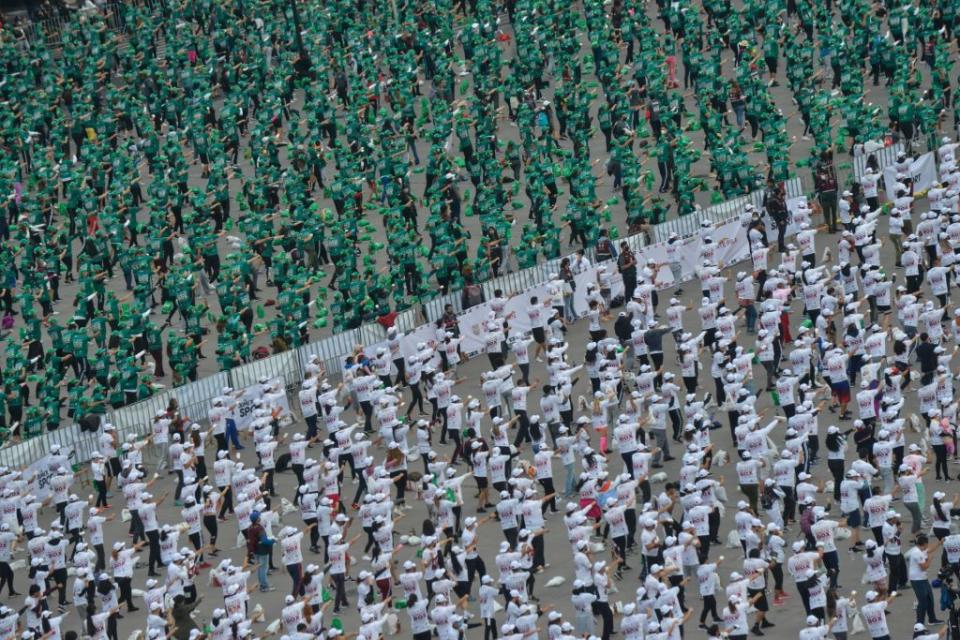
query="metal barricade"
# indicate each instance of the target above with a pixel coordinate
(406, 320)
(285, 366)
(885, 156)
(434, 308)
(137, 418)
(194, 398)
(371, 333)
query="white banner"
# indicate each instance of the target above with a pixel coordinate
(923, 170)
(40, 471)
(242, 414)
(730, 246)
(425, 333)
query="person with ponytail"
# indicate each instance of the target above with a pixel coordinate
(876, 568)
(838, 610)
(941, 512)
(836, 454)
(735, 618)
(939, 431)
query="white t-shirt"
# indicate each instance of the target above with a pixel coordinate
(875, 616)
(915, 558)
(290, 549)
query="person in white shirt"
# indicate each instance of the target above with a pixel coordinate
(870, 181)
(908, 485)
(918, 560)
(815, 629)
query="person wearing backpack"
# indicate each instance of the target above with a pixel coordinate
(258, 546)
(605, 249)
(472, 295)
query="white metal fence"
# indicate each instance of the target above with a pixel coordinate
(885, 156)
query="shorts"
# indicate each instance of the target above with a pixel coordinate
(761, 603)
(841, 391)
(853, 519)
(115, 467)
(539, 336)
(481, 483)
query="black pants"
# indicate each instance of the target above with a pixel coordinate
(836, 468)
(210, 522)
(511, 536)
(804, 596)
(153, 537)
(126, 593)
(367, 409)
(789, 503)
(523, 428)
(60, 579)
(197, 542)
(136, 526)
(416, 399)
(101, 493)
(6, 578)
(781, 233)
(548, 489)
(897, 570)
(709, 606)
(604, 611)
(489, 630)
(940, 450)
(361, 485)
(475, 567)
(703, 551)
(400, 482)
(777, 570)
(101, 557)
(340, 595)
(227, 501)
(828, 204)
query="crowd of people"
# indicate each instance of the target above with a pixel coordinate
(559, 461)
(212, 181)
(268, 155)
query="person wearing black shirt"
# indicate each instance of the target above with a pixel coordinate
(775, 204)
(627, 265)
(927, 357)
(825, 179)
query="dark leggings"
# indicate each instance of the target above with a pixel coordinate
(227, 504)
(709, 606)
(777, 570)
(416, 399)
(126, 592)
(940, 450)
(210, 522)
(101, 493)
(400, 482)
(489, 630)
(836, 468)
(6, 577)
